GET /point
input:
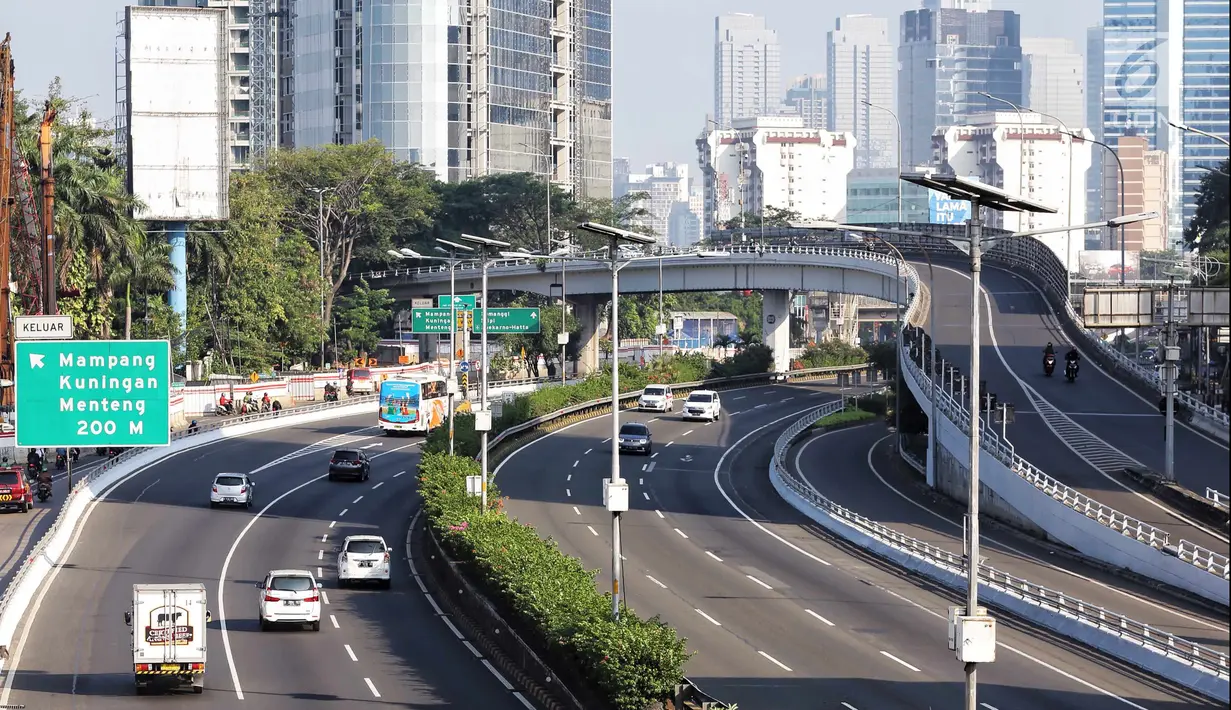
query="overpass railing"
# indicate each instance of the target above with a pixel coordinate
(1161, 642)
(1220, 500)
(1004, 452)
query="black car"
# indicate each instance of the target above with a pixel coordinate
(350, 462)
(635, 437)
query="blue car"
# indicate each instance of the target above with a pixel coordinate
(635, 437)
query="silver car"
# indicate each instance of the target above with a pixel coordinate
(231, 489)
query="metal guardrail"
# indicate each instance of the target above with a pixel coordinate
(1126, 525)
(1198, 656)
(1221, 500)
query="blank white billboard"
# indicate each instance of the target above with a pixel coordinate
(177, 112)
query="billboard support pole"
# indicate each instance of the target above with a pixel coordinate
(49, 213)
(177, 237)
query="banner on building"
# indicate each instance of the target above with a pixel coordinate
(943, 209)
(1104, 264)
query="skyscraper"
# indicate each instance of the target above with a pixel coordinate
(861, 68)
(1094, 120)
(747, 69)
(945, 57)
(1054, 79)
(808, 98)
(465, 87)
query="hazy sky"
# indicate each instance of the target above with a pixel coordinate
(663, 54)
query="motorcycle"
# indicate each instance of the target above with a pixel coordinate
(331, 395)
(43, 492)
(74, 454)
(61, 462)
(1070, 370)
(246, 408)
(1049, 364)
(267, 406)
(32, 469)
(225, 410)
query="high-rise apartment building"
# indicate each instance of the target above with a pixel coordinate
(1054, 79)
(1145, 190)
(860, 49)
(947, 56)
(808, 98)
(238, 72)
(1023, 154)
(1094, 120)
(773, 161)
(747, 69)
(464, 87)
(970, 5)
(666, 188)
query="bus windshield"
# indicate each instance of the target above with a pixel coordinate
(399, 401)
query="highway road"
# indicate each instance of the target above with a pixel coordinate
(1013, 334)
(374, 646)
(20, 531)
(857, 469)
(779, 616)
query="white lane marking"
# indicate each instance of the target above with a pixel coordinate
(568, 478)
(334, 620)
(470, 647)
(820, 618)
(708, 423)
(660, 514)
(745, 516)
(579, 461)
(848, 706)
(681, 533)
(989, 707)
(688, 432)
(378, 485)
(647, 495)
(330, 527)
(788, 399)
(641, 481)
(708, 618)
(760, 406)
(643, 466)
(1021, 553)
(652, 464)
(320, 554)
(488, 665)
(452, 628)
(763, 584)
(398, 474)
(743, 396)
(606, 440)
(319, 573)
(344, 512)
(668, 444)
(655, 581)
(324, 597)
(653, 420)
(775, 661)
(575, 510)
(350, 652)
(713, 555)
(371, 687)
(522, 699)
(568, 493)
(588, 451)
(653, 456)
(892, 657)
(592, 530)
(435, 607)
(325, 537)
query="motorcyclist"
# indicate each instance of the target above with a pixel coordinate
(192, 427)
(44, 480)
(61, 457)
(265, 402)
(73, 454)
(1072, 356)
(1049, 350)
(224, 404)
(249, 405)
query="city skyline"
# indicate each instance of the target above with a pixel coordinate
(679, 98)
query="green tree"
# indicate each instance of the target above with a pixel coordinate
(771, 217)
(147, 268)
(511, 207)
(1208, 232)
(362, 314)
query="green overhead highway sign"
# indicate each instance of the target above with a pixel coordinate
(507, 320)
(92, 393)
(429, 320)
(470, 301)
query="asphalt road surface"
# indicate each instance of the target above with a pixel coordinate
(857, 469)
(1114, 418)
(780, 617)
(375, 646)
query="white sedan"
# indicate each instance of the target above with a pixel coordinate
(289, 596)
(232, 489)
(364, 558)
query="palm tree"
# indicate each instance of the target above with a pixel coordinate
(148, 268)
(746, 338)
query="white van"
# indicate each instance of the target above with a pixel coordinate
(656, 398)
(363, 558)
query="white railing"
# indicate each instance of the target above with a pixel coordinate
(1208, 560)
(1220, 500)
(1196, 655)
(1003, 451)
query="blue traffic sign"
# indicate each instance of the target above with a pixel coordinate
(464, 366)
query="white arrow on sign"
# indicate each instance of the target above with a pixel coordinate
(36, 359)
(534, 314)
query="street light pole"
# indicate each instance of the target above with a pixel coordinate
(617, 571)
(975, 225)
(1120, 210)
(1021, 148)
(320, 250)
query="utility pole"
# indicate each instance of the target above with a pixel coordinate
(6, 202)
(49, 212)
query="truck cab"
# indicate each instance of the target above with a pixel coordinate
(168, 623)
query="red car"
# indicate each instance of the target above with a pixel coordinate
(14, 491)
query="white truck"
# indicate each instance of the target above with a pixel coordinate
(168, 622)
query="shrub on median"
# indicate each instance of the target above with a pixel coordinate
(552, 597)
(848, 416)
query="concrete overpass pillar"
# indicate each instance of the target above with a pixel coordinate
(776, 325)
(589, 313)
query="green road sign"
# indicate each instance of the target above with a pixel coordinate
(469, 302)
(507, 320)
(91, 393)
(429, 320)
